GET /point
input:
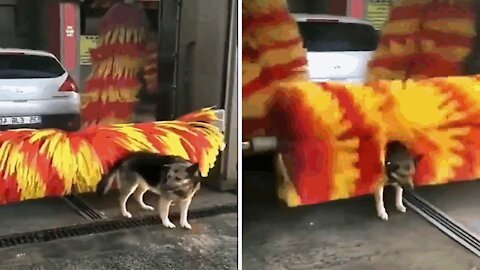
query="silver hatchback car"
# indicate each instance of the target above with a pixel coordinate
(36, 92)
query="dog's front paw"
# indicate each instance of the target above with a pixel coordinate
(168, 224)
(382, 214)
(186, 225)
(127, 214)
(401, 208)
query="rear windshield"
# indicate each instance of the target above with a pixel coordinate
(21, 66)
(335, 37)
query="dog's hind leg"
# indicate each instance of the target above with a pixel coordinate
(379, 204)
(126, 191)
(184, 205)
(399, 199)
(141, 189)
(163, 210)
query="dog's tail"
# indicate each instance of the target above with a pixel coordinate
(113, 175)
(107, 179)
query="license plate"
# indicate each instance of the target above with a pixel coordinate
(20, 120)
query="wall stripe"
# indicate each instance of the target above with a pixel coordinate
(356, 8)
(69, 28)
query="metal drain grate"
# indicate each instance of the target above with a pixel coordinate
(82, 208)
(102, 227)
(441, 220)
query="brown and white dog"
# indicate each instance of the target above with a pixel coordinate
(399, 168)
(173, 178)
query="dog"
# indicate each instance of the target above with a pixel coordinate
(173, 178)
(399, 167)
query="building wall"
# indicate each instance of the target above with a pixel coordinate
(374, 10)
(202, 79)
(27, 25)
(308, 6)
(203, 39)
(7, 26)
(334, 7)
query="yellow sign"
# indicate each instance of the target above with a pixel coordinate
(377, 12)
(87, 43)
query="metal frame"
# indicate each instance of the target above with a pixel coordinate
(169, 32)
(227, 179)
(259, 145)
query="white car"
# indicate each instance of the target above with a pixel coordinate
(338, 48)
(36, 92)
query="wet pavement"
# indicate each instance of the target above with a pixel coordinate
(346, 234)
(211, 244)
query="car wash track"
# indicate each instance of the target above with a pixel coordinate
(439, 230)
(87, 232)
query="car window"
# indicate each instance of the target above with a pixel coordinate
(22, 66)
(335, 37)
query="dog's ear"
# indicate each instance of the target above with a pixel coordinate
(417, 159)
(194, 169)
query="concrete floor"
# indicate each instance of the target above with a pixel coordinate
(459, 200)
(108, 204)
(212, 243)
(36, 215)
(55, 212)
(343, 235)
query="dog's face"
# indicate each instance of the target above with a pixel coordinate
(400, 165)
(182, 173)
(401, 171)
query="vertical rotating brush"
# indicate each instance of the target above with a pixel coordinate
(111, 89)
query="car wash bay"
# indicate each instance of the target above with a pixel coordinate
(86, 231)
(348, 235)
